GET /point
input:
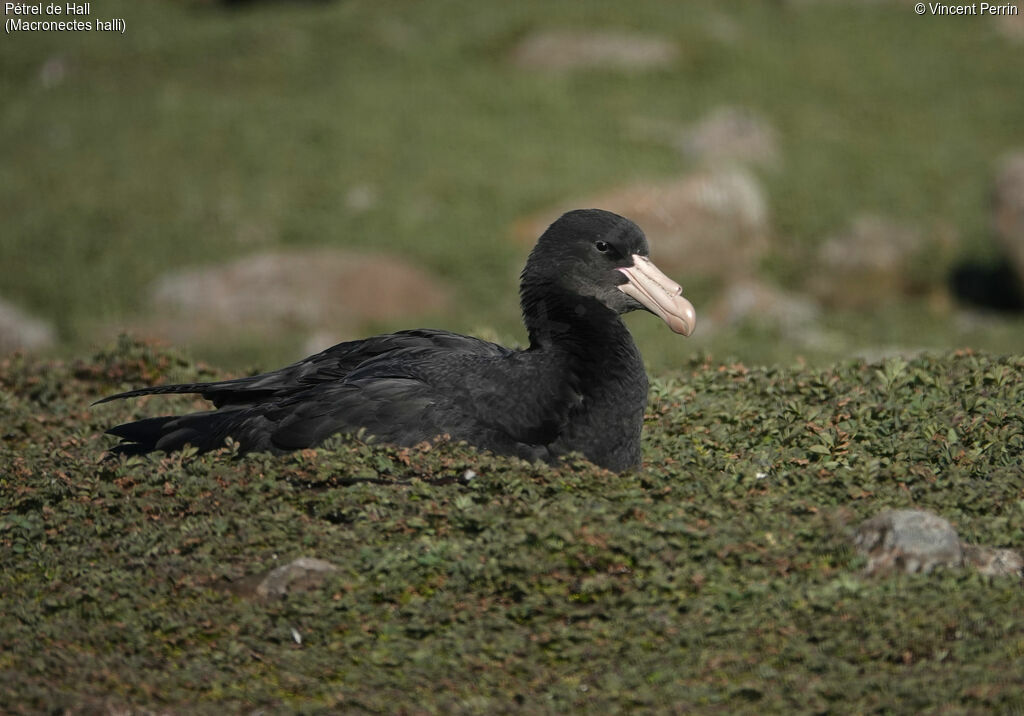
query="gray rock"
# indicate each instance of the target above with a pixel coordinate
(1011, 26)
(877, 259)
(919, 541)
(731, 134)
(565, 50)
(1009, 210)
(361, 198)
(53, 71)
(908, 541)
(21, 332)
(993, 561)
(297, 576)
(750, 299)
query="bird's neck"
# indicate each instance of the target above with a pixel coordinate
(598, 361)
(592, 335)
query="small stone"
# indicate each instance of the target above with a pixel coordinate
(993, 561)
(731, 134)
(912, 541)
(361, 198)
(298, 575)
(53, 71)
(908, 541)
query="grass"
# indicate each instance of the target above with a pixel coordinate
(202, 134)
(717, 578)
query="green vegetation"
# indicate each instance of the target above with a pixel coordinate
(203, 134)
(717, 579)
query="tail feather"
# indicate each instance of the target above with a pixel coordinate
(204, 431)
(156, 390)
(237, 391)
(146, 430)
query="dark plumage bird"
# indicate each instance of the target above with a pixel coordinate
(579, 386)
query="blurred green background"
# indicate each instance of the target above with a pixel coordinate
(204, 134)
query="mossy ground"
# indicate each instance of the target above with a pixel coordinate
(717, 578)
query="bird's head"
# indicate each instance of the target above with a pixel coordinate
(601, 255)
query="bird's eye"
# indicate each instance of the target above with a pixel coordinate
(602, 246)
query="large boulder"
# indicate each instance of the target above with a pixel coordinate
(1011, 26)
(1008, 211)
(565, 50)
(21, 332)
(877, 259)
(306, 290)
(750, 300)
(712, 223)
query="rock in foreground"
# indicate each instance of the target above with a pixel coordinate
(912, 541)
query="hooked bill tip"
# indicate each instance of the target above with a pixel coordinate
(659, 294)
